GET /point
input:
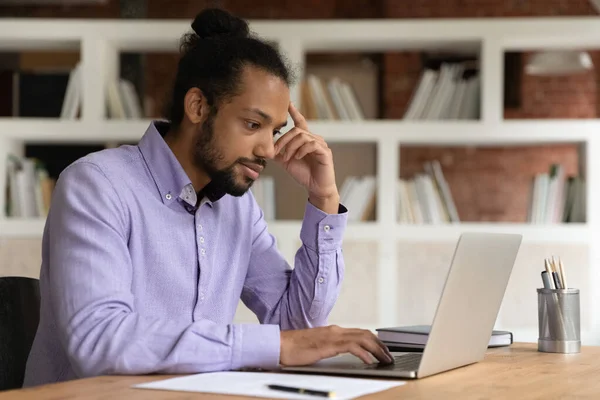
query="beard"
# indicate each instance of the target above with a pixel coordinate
(208, 157)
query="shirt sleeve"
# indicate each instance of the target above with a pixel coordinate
(89, 279)
(303, 296)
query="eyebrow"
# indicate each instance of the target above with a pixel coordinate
(264, 115)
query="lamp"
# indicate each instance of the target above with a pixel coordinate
(559, 62)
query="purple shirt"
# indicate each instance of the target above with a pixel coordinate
(135, 279)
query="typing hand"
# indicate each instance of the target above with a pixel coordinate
(307, 346)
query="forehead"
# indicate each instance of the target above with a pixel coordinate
(265, 91)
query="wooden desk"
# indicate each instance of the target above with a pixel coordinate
(517, 372)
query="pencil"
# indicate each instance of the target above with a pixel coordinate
(561, 284)
(549, 270)
(562, 273)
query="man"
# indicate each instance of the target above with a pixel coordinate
(148, 249)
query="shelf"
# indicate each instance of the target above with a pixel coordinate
(563, 233)
(50, 130)
(354, 230)
(335, 35)
(571, 233)
(460, 132)
(419, 132)
(22, 228)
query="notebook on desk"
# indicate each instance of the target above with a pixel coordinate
(414, 337)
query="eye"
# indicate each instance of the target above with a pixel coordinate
(276, 132)
(252, 125)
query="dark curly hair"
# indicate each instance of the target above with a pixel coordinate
(213, 58)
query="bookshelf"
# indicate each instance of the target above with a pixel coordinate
(100, 42)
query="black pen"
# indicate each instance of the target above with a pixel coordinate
(312, 392)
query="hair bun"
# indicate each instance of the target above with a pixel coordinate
(214, 22)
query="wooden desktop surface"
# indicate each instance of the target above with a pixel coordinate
(516, 372)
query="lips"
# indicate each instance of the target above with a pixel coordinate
(254, 167)
(252, 170)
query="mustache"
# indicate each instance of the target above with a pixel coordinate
(259, 161)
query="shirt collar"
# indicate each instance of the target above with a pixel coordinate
(168, 174)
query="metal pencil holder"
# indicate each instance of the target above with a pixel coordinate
(559, 321)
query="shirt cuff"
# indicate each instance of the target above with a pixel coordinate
(322, 231)
(256, 346)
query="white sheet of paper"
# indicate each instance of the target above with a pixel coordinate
(255, 384)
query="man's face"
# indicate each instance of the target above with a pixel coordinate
(235, 141)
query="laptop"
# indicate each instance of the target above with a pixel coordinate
(464, 320)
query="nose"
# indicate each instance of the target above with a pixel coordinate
(266, 147)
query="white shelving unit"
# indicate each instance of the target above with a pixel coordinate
(100, 42)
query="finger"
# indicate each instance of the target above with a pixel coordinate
(297, 117)
(386, 349)
(370, 344)
(285, 139)
(288, 136)
(359, 352)
(382, 345)
(308, 148)
(279, 157)
(319, 139)
(376, 346)
(297, 142)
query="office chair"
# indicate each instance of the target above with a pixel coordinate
(19, 318)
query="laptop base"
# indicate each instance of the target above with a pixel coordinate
(406, 366)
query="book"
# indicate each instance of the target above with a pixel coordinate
(415, 336)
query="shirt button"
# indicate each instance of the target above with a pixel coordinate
(321, 280)
(202, 251)
(199, 227)
(327, 228)
(201, 239)
(168, 196)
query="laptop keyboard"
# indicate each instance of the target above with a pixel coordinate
(405, 362)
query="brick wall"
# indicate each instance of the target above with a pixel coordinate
(110, 9)
(556, 97)
(400, 79)
(485, 8)
(257, 9)
(490, 183)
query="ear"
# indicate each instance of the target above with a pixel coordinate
(195, 105)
